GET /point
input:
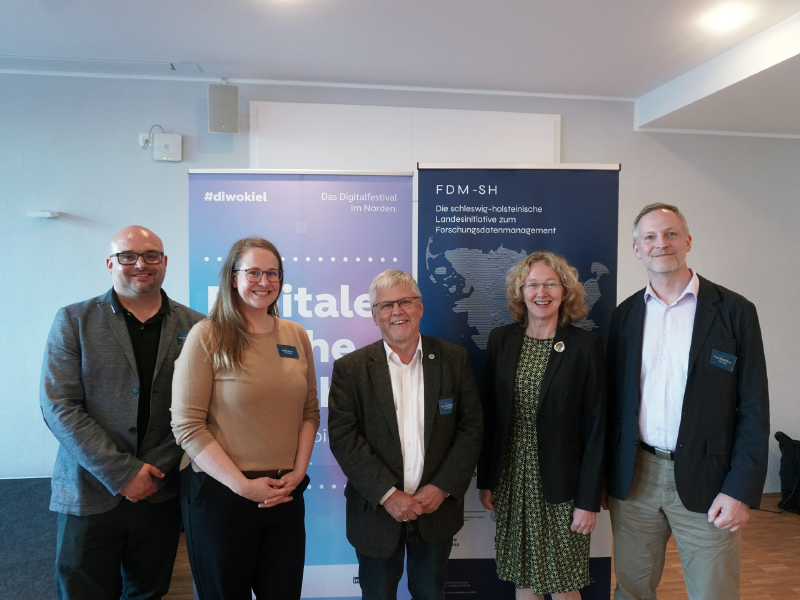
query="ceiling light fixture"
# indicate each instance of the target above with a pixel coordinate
(727, 17)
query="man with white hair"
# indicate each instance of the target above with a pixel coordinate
(405, 425)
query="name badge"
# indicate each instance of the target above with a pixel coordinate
(723, 360)
(446, 406)
(182, 337)
(287, 351)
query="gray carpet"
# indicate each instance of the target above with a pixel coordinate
(27, 540)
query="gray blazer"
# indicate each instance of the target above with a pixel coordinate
(365, 440)
(89, 400)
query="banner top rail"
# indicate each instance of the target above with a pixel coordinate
(554, 166)
(300, 172)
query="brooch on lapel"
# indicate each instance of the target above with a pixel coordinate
(559, 347)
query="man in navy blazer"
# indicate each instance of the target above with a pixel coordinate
(405, 426)
(688, 419)
(105, 394)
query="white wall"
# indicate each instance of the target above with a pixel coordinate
(70, 144)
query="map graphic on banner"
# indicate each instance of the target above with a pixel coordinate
(335, 233)
(485, 304)
(473, 225)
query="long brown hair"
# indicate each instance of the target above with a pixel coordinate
(228, 337)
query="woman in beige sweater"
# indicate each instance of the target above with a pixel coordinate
(245, 410)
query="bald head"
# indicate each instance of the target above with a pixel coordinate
(135, 234)
(140, 281)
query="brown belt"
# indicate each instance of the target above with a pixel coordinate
(274, 474)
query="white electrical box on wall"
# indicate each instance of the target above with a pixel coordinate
(167, 146)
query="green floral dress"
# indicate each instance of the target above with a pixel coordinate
(535, 546)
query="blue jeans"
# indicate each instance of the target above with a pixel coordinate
(427, 568)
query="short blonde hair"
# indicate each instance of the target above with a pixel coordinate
(573, 305)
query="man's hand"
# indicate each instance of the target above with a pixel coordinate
(402, 507)
(429, 498)
(728, 513)
(583, 521)
(487, 499)
(141, 486)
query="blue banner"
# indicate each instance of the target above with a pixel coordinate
(473, 225)
(335, 233)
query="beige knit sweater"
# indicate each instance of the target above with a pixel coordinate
(255, 412)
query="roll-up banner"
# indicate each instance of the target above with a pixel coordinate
(335, 231)
(474, 223)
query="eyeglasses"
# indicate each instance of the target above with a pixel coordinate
(387, 307)
(256, 275)
(151, 257)
(548, 285)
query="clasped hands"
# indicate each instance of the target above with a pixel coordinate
(270, 492)
(404, 507)
(142, 486)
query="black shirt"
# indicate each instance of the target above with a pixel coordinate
(145, 338)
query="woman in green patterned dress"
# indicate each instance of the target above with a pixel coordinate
(541, 464)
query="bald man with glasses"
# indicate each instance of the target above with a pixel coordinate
(106, 389)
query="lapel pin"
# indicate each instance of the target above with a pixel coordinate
(431, 356)
(559, 347)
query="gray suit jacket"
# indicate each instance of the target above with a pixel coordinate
(365, 440)
(89, 399)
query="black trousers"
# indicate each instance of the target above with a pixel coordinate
(127, 552)
(235, 547)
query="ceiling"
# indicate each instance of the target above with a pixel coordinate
(649, 52)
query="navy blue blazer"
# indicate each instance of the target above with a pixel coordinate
(571, 418)
(724, 432)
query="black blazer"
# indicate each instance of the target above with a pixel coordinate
(571, 419)
(724, 432)
(365, 439)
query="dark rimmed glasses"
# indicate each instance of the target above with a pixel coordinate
(256, 275)
(151, 257)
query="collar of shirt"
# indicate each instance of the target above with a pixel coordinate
(693, 288)
(164, 310)
(395, 358)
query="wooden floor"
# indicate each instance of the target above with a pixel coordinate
(770, 560)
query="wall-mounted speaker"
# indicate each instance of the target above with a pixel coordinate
(223, 108)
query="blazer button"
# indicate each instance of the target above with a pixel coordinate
(135, 390)
(635, 442)
(636, 412)
(132, 430)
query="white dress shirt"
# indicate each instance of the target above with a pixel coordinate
(665, 364)
(408, 390)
